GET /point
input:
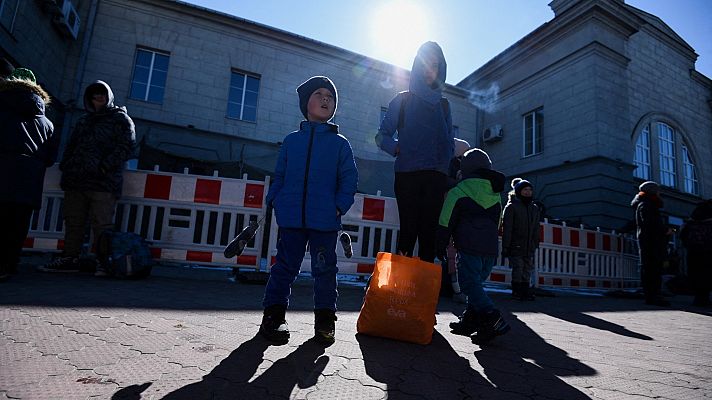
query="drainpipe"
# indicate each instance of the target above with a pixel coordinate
(79, 75)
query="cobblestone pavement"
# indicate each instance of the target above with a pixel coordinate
(190, 334)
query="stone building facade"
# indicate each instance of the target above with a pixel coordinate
(210, 91)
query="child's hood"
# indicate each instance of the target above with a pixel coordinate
(484, 187)
(417, 77)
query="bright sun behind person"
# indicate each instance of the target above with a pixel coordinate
(398, 28)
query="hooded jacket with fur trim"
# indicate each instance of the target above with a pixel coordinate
(28, 144)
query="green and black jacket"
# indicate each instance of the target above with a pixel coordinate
(471, 214)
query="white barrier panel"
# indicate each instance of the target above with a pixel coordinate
(568, 256)
(186, 218)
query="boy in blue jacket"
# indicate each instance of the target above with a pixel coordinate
(314, 185)
(470, 216)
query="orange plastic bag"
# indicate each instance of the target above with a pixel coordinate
(401, 299)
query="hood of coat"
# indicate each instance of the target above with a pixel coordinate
(23, 97)
(430, 93)
(642, 197)
(98, 87)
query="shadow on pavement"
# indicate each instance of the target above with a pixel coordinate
(231, 378)
(597, 323)
(505, 370)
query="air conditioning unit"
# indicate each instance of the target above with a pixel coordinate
(492, 134)
(68, 20)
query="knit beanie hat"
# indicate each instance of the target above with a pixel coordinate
(518, 184)
(306, 89)
(649, 187)
(5, 68)
(461, 146)
(23, 73)
(473, 160)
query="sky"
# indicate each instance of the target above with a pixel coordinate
(471, 32)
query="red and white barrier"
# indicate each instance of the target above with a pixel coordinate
(186, 218)
(190, 218)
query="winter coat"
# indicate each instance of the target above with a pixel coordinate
(651, 231)
(100, 145)
(520, 228)
(425, 141)
(315, 178)
(28, 144)
(471, 214)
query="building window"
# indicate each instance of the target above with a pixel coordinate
(690, 176)
(642, 155)
(662, 155)
(242, 97)
(533, 123)
(8, 12)
(149, 76)
(666, 143)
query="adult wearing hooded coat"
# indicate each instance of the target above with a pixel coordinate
(28, 145)
(652, 240)
(423, 150)
(92, 171)
(696, 235)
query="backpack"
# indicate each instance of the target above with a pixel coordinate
(124, 255)
(444, 103)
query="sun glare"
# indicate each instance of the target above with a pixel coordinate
(399, 27)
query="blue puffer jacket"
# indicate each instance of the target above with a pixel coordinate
(28, 143)
(425, 141)
(315, 178)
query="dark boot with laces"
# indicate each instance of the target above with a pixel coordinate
(490, 325)
(274, 325)
(324, 326)
(467, 323)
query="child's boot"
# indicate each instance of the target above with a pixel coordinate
(274, 325)
(467, 324)
(324, 325)
(491, 325)
(527, 292)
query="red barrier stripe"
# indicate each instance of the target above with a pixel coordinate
(557, 235)
(28, 243)
(273, 260)
(557, 281)
(362, 268)
(591, 283)
(253, 195)
(495, 277)
(157, 187)
(541, 233)
(606, 242)
(574, 238)
(202, 256)
(207, 191)
(373, 209)
(60, 244)
(541, 280)
(247, 260)
(590, 240)
(606, 284)
(155, 252)
(575, 282)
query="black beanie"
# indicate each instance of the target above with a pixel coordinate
(518, 184)
(473, 160)
(306, 89)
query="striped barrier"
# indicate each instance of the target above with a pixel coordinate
(186, 218)
(190, 218)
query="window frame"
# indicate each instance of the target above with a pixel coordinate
(148, 83)
(245, 75)
(537, 141)
(645, 149)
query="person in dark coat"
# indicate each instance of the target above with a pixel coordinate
(520, 236)
(314, 184)
(28, 145)
(471, 215)
(652, 240)
(423, 149)
(696, 235)
(92, 172)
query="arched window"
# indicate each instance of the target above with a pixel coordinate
(661, 154)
